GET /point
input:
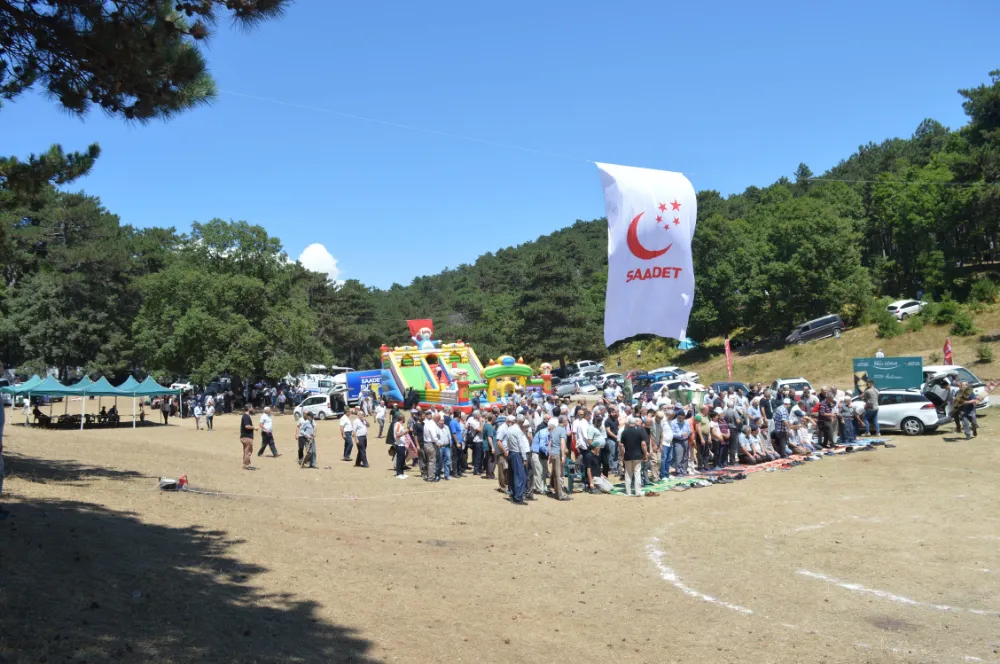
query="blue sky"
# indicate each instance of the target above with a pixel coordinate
(730, 93)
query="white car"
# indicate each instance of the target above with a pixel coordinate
(910, 411)
(183, 386)
(322, 406)
(602, 380)
(903, 309)
(586, 367)
(680, 373)
(586, 387)
(959, 373)
(797, 385)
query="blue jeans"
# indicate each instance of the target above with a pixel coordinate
(516, 462)
(849, 434)
(348, 445)
(666, 458)
(444, 462)
(871, 420)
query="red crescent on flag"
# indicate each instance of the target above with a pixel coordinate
(636, 247)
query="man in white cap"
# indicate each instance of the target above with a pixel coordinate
(781, 428)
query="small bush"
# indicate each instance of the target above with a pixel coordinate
(984, 290)
(977, 307)
(914, 323)
(963, 324)
(984, 354)
(935, 358)
(888, 326)
(946, 312)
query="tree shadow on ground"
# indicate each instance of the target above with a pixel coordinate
(83, 583)
(45, 471)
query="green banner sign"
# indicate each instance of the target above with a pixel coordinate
(888, 372)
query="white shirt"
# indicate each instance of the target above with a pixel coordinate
(210, 411)
(265, 422)
(473, 424)
(432, 433)
(197, 411)
(360, 427)
(380, 412)
(444, 436)
(580, 427)
(345, 424)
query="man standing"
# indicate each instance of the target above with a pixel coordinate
(431, 434)
(870, 397)
(489, 436)
(347, 431)
(307, 441)
(557, 455)
(827, 422)
(502, 455)
(360, 431)
(444, 448)
(681, 431)
(539, 456)
(781, 428)
(609, 453)
(246, 436)
(474, 438)
(266, 433)
(879, 354)
(634, 452)
(517, 445)
(458, 457)
(380, 417)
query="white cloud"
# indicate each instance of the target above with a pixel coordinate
(315, 257)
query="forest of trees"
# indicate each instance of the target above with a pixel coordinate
(81, 289)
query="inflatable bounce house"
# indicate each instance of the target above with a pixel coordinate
(451, 374)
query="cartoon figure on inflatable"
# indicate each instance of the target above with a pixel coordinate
(423, 339)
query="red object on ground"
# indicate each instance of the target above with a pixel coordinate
(183, 481)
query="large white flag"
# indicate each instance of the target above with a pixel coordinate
(651, 220)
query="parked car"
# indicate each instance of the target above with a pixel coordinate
(586, 386)
(797, 385)
(903, 309)
(958, 373)
(910, 411)
(567, 388)
(724, 386)
(182, 385)
(586, 367)
(322, 406)
(820, 328)
(677, 372)
(602, 380)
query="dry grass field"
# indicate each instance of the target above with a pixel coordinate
(887, 556)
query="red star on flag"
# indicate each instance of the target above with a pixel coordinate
(677, 221)
(675, 205)
(663, 207)
(659, 219)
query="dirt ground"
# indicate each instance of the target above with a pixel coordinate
(888, 556)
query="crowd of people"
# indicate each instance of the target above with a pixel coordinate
(535, 444)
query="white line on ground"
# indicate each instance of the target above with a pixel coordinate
(899, 599)
(656, 555)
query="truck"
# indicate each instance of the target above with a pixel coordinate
(356, 383)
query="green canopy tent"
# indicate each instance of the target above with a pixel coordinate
(23, 388)
(51, 387)
(149, 388)
(129, 384)
(79, 385)
(102, 388)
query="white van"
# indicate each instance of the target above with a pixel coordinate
(322, 406)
